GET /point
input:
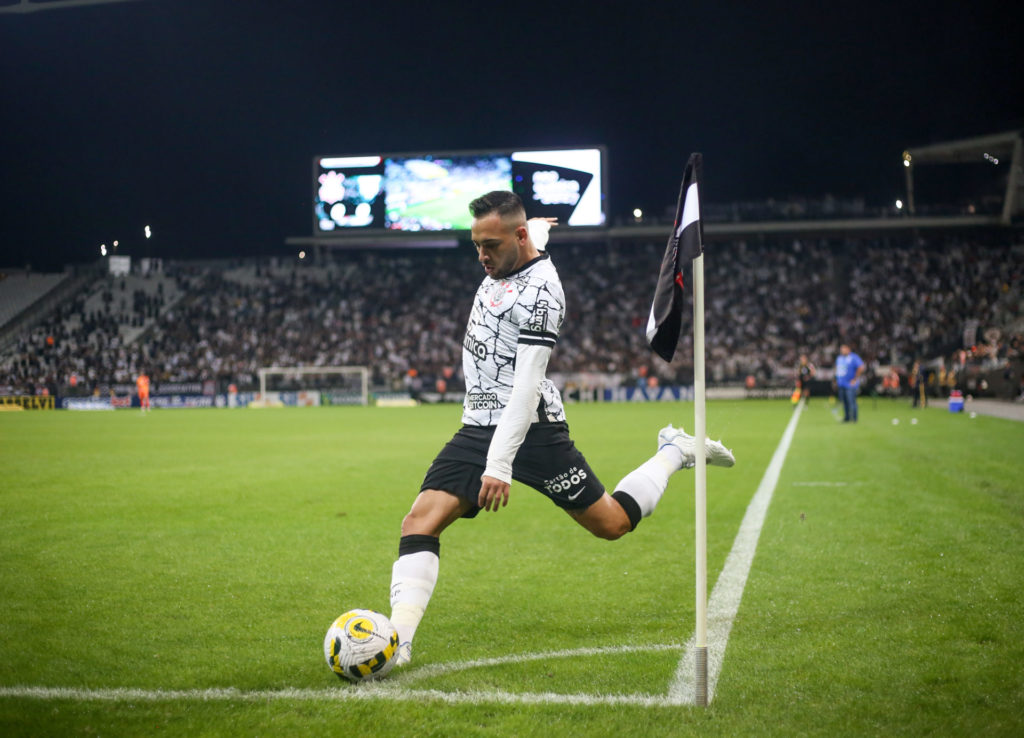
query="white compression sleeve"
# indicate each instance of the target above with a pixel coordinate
(413, 577)
(531, 363)
(647, 483)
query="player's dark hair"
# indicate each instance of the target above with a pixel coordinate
(502, 202)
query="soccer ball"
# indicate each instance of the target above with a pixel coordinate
(361, 645)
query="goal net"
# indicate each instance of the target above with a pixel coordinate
(313, 385)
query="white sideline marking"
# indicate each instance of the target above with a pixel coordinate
(362, 692)
(390, 689)
(722, 608)
(725, 598)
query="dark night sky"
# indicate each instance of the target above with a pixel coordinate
(201, 118)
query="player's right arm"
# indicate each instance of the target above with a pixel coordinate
(531, 365)
(538, 229)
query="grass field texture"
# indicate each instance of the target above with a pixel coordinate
(197, 558)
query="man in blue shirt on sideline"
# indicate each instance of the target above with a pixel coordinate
(849, 367)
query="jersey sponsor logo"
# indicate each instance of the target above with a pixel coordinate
(539, 318)
(566, 481)
(475, 347)
(482, 401)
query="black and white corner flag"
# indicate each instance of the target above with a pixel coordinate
(685, 243)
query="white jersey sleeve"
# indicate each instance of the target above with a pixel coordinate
(531, 363)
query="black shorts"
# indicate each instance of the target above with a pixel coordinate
(548, 461)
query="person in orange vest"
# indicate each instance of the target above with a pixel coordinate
(891, 383)
(142, 385)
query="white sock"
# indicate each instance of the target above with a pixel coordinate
(412, 582)
(647, 483)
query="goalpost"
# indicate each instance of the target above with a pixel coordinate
(339, 385)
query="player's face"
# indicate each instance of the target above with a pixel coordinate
(499, 245)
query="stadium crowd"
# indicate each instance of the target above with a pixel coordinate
(403, 313)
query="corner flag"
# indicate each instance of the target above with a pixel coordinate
(686, 242)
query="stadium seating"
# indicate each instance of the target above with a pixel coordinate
(767, 302)
(19, 289)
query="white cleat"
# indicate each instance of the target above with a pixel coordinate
(404, 655)
(715, 453)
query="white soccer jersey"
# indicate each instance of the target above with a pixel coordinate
(524, 308)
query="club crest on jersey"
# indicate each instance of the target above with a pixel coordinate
(499, 291)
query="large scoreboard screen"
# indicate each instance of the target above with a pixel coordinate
(431, 192)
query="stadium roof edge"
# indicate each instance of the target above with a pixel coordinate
(712, 231)
(965, 149)
(27, 6)
(1006, 145)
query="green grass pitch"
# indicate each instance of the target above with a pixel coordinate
(185, 551)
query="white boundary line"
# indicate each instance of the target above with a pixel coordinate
(722, 608)
(362, 692)
(390, 689)
(724, 602)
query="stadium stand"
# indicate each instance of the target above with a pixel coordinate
(768, 300)
(21, 288)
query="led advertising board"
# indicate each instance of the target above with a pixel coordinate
(417, 193)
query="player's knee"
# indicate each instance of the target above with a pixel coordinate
(431, 513)
(611, 528)
(606, 518)
(612, 532)
(415, 523)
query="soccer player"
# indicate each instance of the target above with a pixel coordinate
(849, 368)
(514, 425)
(142, 385)
(805, 372)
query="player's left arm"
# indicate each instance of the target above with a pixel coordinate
(531, 366)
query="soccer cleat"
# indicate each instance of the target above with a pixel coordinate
(404, 655)
(671, 436)
(715, 453)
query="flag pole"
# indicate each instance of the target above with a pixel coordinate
(663, 330)
(700, 484)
